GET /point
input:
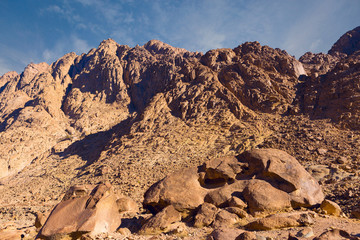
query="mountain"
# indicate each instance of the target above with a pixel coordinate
(133, 115)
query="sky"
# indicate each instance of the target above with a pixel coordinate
(45, 30)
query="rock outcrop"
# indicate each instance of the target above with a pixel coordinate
(82, 212)
(133, 115)
(348, 43)
(267, 180)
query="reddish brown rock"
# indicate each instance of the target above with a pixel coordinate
(285, 173)
(181, 189)
(261, 197)
(335, 234)
(330, 208)
(236, 202)
(348, 43)
(96, 213)
(225, 234)
(205, 215)
(161, 221)
(126, 204)
(225, 219)
(281, 220)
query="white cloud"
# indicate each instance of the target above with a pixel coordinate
(80, 45)
(64, 46)
(4, 68)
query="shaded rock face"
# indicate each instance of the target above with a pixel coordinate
(348, 43)
(268, 180)
(331, 89)
(81, 212)
(334, 95)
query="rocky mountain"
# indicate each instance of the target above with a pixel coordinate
(131, 116)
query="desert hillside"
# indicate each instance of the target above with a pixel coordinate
(131, 116)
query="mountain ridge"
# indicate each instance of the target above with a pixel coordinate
(116, 112)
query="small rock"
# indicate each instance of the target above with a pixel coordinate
(124, 231)
(246, 236)
(206, 215)
(335, 234)
(178, 228)
(330, 208)
(225, 219)
(161, 221)
(356, 213)
(322, 151)
(262, 197)
(281, 220)
(225, 234)
(305, 233)
(238, 211)
(126, 204)
(341, 160)
(39, 220)
(236, 202)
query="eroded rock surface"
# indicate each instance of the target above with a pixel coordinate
(267, 180)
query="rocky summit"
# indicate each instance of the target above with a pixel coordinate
(156, 142)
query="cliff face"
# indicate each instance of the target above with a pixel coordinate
(132, 115)
(81, 95)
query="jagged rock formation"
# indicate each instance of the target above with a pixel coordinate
(82, 95)
(132, 115)
(335, 94)
(266, 179)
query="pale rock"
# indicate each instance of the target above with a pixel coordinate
(95, 213)
(126, 204)
(225, 219)
(281, 220)
(330, 208)
(161, 222)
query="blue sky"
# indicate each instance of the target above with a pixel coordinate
(44, 30)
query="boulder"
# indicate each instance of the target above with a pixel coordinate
(262, 197)
(221, 196)
(126, 204)
(181, 189)
(161, 222)
(335, 234)
(281, 220)
(225, 234)
(285, 173)
(94, 213)
(205, 216)
(222, 170)
(225, 219)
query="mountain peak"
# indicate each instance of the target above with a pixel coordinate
(159, 47)
(347, 43)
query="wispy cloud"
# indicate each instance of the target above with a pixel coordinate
(64, 46)
(4, 68)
